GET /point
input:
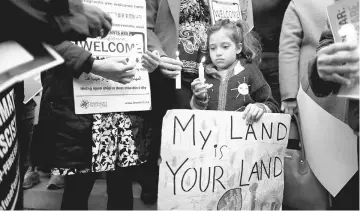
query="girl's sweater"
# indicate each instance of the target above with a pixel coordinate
(243, 85)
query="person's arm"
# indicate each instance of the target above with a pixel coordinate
(76, 59)
(320, 87)
(51, 21)
(261, 93)
(289, 53)
(153, 42)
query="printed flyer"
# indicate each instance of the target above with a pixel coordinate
(212, 160)
(127, 40)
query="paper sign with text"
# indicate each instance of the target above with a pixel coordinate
(212, 160)
(225, 9)
(127, 40)
(247, 13)
(341, 13)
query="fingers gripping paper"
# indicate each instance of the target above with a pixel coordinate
(211, 160)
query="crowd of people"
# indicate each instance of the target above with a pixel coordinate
(290, 46)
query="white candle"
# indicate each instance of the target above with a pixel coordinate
(201, 69)
(178, 77)
(349, 31)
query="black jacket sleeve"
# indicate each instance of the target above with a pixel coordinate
(77, 59)
(50, 21)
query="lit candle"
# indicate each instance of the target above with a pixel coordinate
(178, 77)
(201, 69)
(349, 31)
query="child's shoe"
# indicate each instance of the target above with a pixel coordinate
(32, 178)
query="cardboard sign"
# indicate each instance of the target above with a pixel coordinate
(247, 13)
(212, 160)
(232, 10)
(341, 13)
(32, 87)
(126, 40)
(225, 9)
(9, 152)
(21, 61)
(332, 160)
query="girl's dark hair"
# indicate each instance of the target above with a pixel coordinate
(251, 47)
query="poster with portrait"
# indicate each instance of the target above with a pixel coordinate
(126, 40)
(212, 160)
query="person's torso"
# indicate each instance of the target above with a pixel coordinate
(232, 92)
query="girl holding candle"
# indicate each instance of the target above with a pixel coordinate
(234, 81)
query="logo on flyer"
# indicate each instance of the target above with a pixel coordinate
(85, 104)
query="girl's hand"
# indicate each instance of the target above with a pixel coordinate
(199, 89)
(253, 112)
(150, 60)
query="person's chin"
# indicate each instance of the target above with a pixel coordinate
(222, 65)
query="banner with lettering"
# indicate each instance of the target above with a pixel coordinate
(9, 156)
(127, 40)
(212, 160)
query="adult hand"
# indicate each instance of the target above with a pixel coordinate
(339, 62)
(114, 69)
(253, 112)
(289, 106)
(199, 89)
(150, 60)
(99, 22)
(170, 67)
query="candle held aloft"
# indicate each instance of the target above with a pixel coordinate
(202, 70)
(349, 32)
(178, 77)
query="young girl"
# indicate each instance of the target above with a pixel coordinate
(233, 80)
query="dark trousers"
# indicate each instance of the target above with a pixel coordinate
(28, 121)
(348, 197)
(119, 190)
(269, 67)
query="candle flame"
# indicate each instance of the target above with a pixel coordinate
(177, 53)
(203, 59)
(347, 29)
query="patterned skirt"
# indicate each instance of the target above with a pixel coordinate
(120, 139)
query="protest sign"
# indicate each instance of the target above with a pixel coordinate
(247, 13)
(212, 160)
(32, 87)
(225, 9)
(340, 14)
(333, 160)
(9, 153)
(127, 40)
(20, 61)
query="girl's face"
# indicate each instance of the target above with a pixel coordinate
(222, 49)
